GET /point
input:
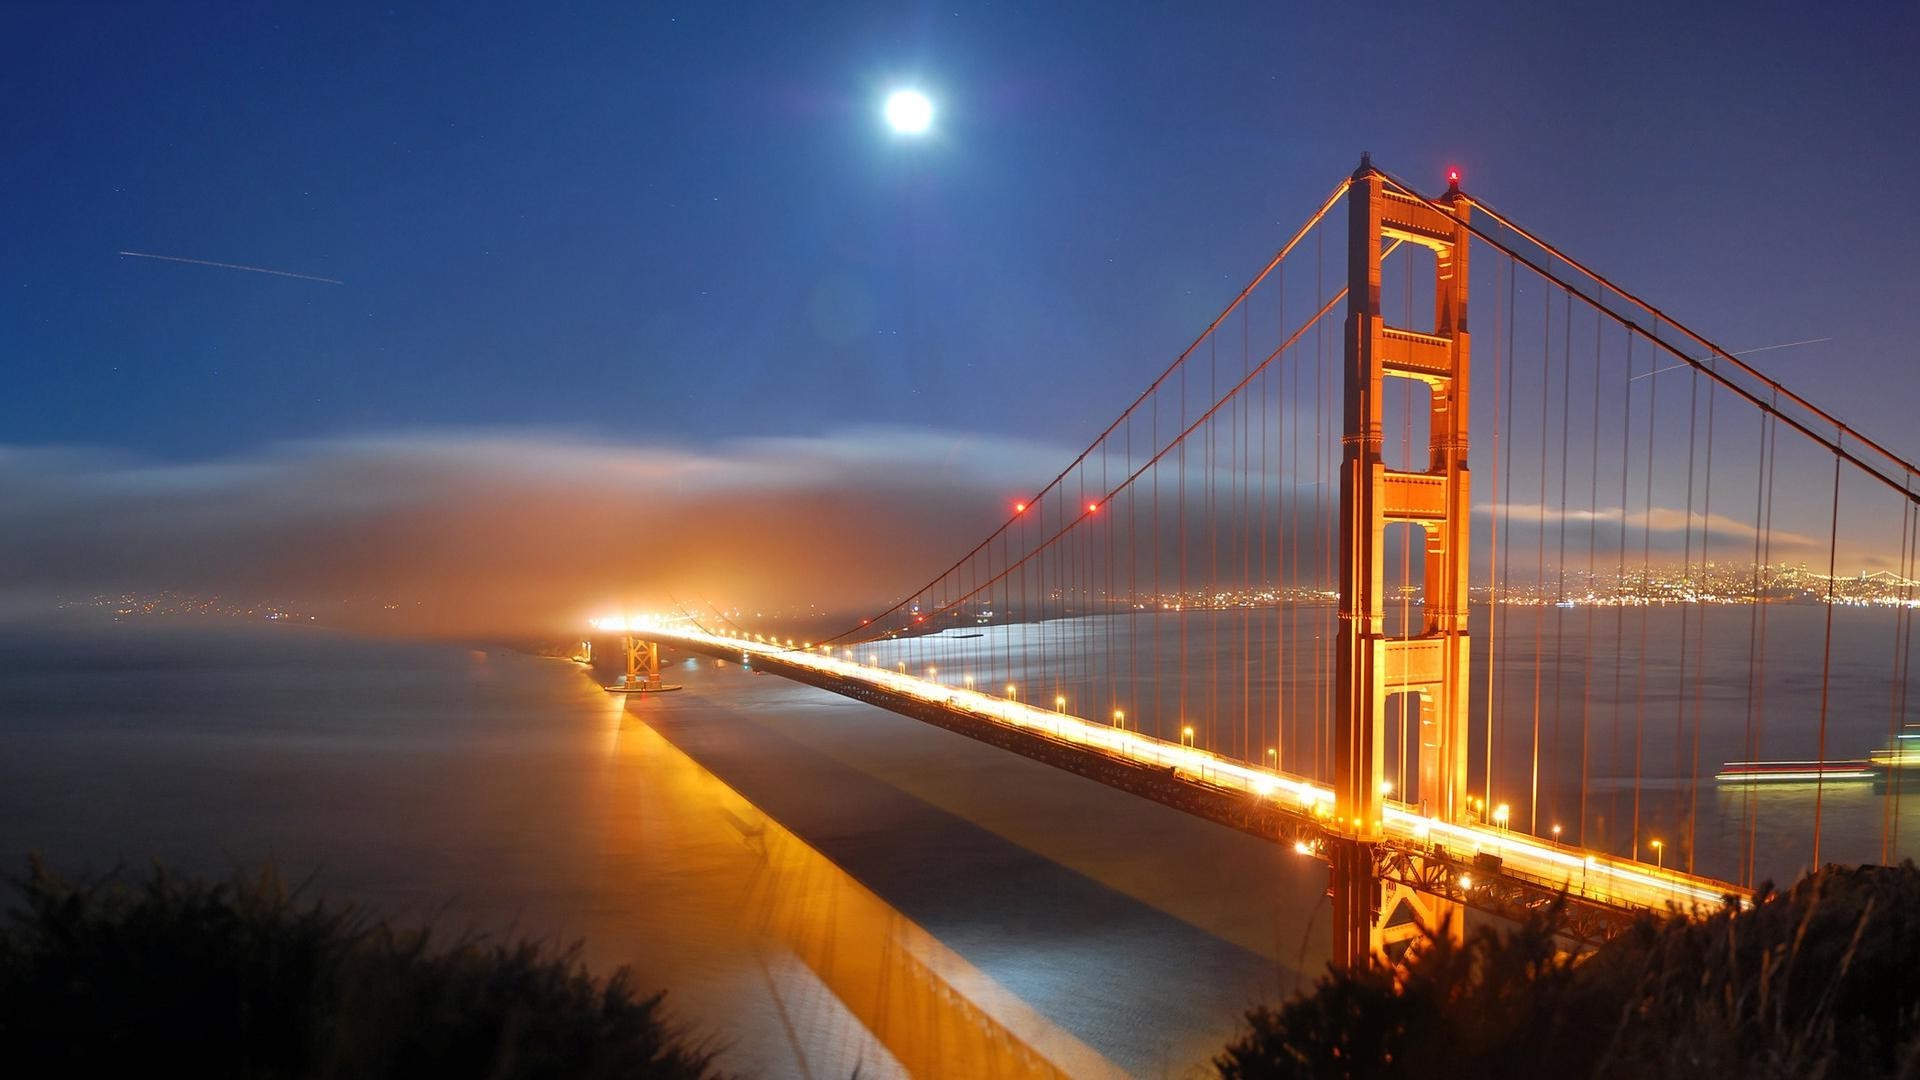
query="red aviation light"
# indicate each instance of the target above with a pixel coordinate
(1093, 507)
(1019, 508)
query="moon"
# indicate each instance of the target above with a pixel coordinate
(909, 112)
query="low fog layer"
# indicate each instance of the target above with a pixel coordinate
(463, 534)
(508, 533)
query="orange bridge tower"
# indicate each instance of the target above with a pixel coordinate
(1427, 669)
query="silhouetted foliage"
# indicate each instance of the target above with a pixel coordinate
(1823, 980)
(240, 978)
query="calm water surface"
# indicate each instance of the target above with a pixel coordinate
(821, 884)
(827, 886)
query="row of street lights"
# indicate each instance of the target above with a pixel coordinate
(1502, 813)
(1500, 817)
(1059, 700)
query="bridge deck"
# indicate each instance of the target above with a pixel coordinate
(1484, 867)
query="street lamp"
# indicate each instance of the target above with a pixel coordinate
(1500, 814)
(1659, 855)
(931, 672)
(969, 681)
(1186, 736)
(1119, 719)
(1059, 703)
(1556, 834)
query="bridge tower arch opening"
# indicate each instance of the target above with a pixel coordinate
(1374, 917)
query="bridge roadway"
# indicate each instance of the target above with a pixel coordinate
(1485, 867)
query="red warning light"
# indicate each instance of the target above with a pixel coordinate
(1019, 508)
(1092, 506)
(1453, 176)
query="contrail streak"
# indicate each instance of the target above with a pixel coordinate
(1742, 352)
(233, 266)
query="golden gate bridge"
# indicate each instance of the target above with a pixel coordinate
(1272, 594)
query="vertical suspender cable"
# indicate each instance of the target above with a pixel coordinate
(1646, 579)
(1560, 583)
(1700, 637)
(1619, 609)
(1686, 600)
(1826, 666)
(1241, 517)
(1586, 644)
(1889, 814)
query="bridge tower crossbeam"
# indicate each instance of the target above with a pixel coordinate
(1428, 670)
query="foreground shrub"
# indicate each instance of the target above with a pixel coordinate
(1823, 980)
(240, 978)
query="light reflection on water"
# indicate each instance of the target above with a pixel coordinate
(1142, 931)
(849, 980)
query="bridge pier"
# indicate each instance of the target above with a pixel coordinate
(1355, 893)
(643, 668)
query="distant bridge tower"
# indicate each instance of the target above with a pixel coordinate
(1429, 671)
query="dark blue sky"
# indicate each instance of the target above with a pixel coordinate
(675, 223)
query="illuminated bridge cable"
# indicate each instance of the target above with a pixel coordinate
(1686, 608)
(1540, 552)
(1495, 580)
(1826, 666)
(1646, 582)
(1560, 563)
(1179, 363)
(1051, 542)
(1700, 639)
(1903, 656)
(1889, 814)
(1873, 459)
(1760, 713)
(1620, 576)
(1053, 586)
(1593, 535)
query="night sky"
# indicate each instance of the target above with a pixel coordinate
(675, 227)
